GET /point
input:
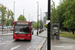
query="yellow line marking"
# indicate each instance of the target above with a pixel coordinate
(40, 45)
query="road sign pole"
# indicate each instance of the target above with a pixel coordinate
(48, 29)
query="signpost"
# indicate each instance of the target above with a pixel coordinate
(48, 29)
(47, 21)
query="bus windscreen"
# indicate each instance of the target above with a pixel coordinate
(22, 28)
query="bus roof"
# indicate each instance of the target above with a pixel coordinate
(21, 21)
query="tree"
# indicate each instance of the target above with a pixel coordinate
(11, 19)
(41, 24)
(53, 13)
(8, 15)
(3, 15)
(70, 15)
(45, 25)
(35, 25)
(21, 18)
(65, 13)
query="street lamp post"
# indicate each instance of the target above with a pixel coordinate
(29, 17)
(32, 18)
(14, 10)
(37, 16)
(23, 14)
(40, 19)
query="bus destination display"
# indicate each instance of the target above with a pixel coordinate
(22, 23)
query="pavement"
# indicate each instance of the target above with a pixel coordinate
(9, 33)
(43, 44)
(64, 43)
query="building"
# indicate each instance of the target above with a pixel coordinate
(44, 18)
(0, 4)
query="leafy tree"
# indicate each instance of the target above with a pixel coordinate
(41, 24)
(53, 13)
(45, 25)
(65, 14)
(3, 14)
(11, 18)
(35, 25)
(8, 15)
(21, 18)
(69, 15)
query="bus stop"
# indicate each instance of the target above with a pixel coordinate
(55, 30)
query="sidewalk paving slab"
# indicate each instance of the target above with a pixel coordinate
(64, 43)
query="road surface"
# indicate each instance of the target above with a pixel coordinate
(7, 43)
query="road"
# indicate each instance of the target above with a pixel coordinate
(7, 43)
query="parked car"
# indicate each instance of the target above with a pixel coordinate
(11, 29)
(5, 27)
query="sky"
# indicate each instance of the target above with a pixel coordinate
(30, 7)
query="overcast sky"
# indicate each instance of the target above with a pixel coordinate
(30, 7)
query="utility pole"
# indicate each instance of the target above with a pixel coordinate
(48, 28)
(23, 14)
(32, 18)
(14, 10)
(29, 17)
(37, 16)
(40, 19)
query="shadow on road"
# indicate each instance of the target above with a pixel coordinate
(21, 40)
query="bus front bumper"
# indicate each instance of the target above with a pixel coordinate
(22, 38)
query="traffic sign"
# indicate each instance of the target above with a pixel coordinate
(47, 21)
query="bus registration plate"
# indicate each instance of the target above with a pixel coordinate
(21, 38)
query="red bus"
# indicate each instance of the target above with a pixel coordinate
(22, 30)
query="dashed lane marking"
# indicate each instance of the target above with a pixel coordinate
(29, 48)
(15, 47)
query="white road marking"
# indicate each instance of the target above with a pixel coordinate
(29, 48)
(15, 47)
(7, 45)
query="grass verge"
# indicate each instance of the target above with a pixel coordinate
(67, 35)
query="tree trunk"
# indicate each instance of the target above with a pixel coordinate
(73, 32)
(69, 31)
